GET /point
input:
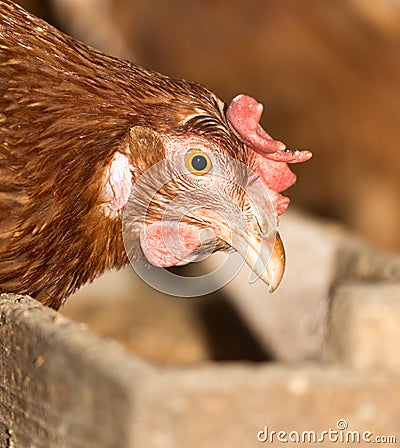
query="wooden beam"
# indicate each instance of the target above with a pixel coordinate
(61, 385)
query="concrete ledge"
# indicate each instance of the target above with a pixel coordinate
(65, 387)
(61, 385)
(226, 406)
(364, 325)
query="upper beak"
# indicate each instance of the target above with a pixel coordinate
(267, 263)
(264, 255)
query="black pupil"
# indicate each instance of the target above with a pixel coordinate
(199, 163)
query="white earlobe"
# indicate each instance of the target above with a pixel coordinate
(119, 183)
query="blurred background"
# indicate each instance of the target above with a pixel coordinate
(328, 74)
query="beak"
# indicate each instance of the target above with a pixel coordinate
(264, 255)
(257, 241)
(272, 273)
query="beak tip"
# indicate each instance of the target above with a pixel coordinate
(276, 265)
(272, 288)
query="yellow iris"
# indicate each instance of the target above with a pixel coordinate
(197, 162)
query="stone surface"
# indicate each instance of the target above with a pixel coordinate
(60, 385)
(226, 406)
(358, 260)
(364, 330)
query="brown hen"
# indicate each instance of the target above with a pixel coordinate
(79, 128)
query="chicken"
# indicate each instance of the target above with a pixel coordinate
(80, 130)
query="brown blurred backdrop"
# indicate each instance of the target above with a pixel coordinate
(327, 71)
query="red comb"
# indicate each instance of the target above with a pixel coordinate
(244, 115)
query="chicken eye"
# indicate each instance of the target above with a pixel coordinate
(197, 162)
